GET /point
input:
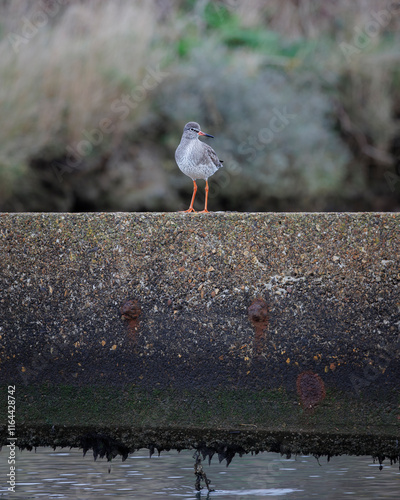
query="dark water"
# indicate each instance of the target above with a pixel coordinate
(66, 474)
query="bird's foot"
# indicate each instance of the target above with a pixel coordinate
(187, 211)
(205, 211)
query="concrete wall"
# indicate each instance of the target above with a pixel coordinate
(224, 331)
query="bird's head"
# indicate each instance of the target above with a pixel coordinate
(192, 130)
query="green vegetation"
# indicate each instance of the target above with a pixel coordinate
(220, 408)
(302, 97)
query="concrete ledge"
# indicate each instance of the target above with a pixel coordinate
(220, 331)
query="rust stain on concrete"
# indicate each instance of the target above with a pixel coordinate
(311, 389)
(131, 311)
(259, 317)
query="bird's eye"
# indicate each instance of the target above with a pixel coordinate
(194, 130)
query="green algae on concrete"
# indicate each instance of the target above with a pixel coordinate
(243, 324)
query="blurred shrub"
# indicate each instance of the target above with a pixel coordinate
(65, 79)
(299, 126)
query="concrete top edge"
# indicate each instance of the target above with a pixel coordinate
(210, 215)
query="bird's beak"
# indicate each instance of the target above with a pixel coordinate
(207, 135)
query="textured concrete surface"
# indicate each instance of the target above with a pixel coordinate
(220, 331)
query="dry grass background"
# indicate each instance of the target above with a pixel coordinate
(227, 64)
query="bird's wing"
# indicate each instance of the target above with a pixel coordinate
(213, 156)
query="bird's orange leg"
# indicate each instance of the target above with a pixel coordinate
(191, 209)
(205, 211)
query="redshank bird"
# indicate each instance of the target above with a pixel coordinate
(196, 159)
